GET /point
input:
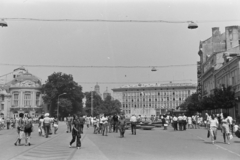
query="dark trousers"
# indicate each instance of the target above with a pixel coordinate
(184, 122)
(47, 129)
(76, 137)
(180, 125)
(115, 127)
(175, 125)
(8, 124)
(122, 130)
(133, 127)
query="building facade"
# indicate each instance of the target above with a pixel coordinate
(22, 94)
(219, 62)
(152, 99)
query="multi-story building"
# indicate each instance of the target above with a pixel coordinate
(152, 99)
(22, 94)
(219, 61)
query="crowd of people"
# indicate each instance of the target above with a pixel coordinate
(104, 125)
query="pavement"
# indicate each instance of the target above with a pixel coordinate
(146, 145)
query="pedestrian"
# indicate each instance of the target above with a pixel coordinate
(213, 128)
(104, 125)
(46, 124)
(115, 123)
(82, 121)
(189, 121)
(76, 132)
(8, 123)
(110, 123)
(41, 126)
(175, 120)
(184, 121)
(87, 120)
(69, 124)
(133, 121)
(194, 121)
(28, 128)
(121, 125)
(20, 129)
(230, 119)
(180, 122)
(225, 129)
(165, 122)
(55, 125)
(95, 125)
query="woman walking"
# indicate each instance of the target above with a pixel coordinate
(27, 130)
(225, 129)
(121, 124)
(76, 132)
(213, 128)
(20, 129)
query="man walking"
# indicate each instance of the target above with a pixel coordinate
(133, 121)
(115, 123)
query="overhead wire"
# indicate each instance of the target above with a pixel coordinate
(113, 20)
(78, 66)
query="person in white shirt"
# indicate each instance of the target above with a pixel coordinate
(184, 122)
(104, 120)
(230, 119)
(189, 120)
(213, 128)
(175, 120)
(133, 121)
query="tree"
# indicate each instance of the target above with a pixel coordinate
(59, 83)
(110, 107)
(97, 101)
(224, 98)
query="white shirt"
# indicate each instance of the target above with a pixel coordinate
(230, 119)
(133, 119)
(213, 122)
(104, 120)
(180, 118)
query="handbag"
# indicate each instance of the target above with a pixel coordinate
(230, 136)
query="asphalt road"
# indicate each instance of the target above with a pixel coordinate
(146, 145)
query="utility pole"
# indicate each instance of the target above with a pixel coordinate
(92, 103)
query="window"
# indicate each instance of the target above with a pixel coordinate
(37, 98)
(2, 106)
(2, 97)
(15, 99)
(27, 98)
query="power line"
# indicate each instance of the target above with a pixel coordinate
(75, 66)
(120, 21)
(93, 20)
(150, 82)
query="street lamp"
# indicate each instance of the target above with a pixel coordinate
(3, 23)
(58, 104)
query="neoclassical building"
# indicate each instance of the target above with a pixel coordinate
(22, 94)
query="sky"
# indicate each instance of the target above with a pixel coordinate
(110, 43)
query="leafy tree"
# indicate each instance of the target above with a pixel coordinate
(57, 84)
(97, 101)
(110, 107)
(224, 98)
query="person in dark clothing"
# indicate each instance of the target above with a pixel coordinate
(82, 121)
(121, 124)
(115, 123)
(76, 132)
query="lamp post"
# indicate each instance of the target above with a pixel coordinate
(58, 105)
(92, 103)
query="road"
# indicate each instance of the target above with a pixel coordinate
(146, 145)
